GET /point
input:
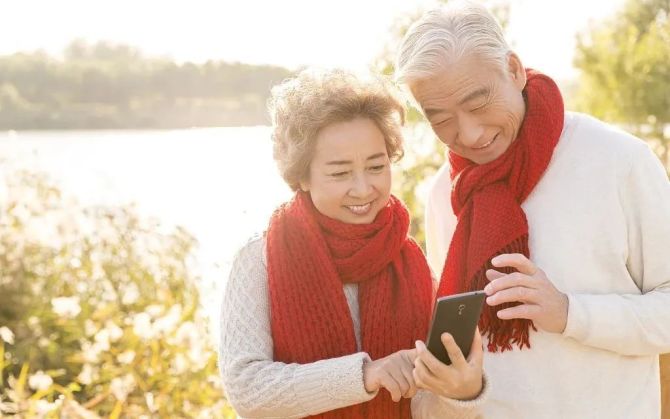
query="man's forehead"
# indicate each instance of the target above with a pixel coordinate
(439, 91)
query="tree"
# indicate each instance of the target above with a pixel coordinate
(625, 71)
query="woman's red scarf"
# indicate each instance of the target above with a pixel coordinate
(311, 257)
(487, 202)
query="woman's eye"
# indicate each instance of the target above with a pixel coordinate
(377, 168)
(442, 122)
(339, 174)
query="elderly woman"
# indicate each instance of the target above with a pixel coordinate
(326, 308)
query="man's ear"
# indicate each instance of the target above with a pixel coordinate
(516, 70)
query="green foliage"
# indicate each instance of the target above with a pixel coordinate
(100, 313)
(115, 86)
(625, 70)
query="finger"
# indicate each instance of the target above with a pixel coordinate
(409, 377)
(391, 386)
(492, 274)
(514, 294)
(515, 260)
(476, 356)
(423, 377)
(524, 311)
(409, 355)
(455, 354)
(434, 365)
(399, 377)
(515, 279)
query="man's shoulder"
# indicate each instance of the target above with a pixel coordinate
(588, 134)
(440, 182)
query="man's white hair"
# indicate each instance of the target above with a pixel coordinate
(444, 35)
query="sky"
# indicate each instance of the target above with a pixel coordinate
(290, 33)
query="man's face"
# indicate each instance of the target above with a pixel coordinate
(474, 107)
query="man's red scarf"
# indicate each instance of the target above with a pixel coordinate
(487, 202)
(311, 257)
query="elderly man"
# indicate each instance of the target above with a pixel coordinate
(562, 219)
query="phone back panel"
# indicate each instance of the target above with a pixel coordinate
(457, 315)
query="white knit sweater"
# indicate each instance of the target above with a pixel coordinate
(599, 223)
(258, 387)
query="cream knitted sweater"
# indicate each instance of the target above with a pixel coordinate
(599, 223)
(258, 387)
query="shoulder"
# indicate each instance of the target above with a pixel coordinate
(252, 254)
(589, 134)
(439, 188)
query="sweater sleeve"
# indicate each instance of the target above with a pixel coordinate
(634, 324)
(255, 385)
(427, 405)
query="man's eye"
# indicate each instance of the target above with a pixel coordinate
(442, 122)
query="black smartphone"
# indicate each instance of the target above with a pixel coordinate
(457, 315)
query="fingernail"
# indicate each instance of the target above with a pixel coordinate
(419, 345)
(494, 261)
(488, 289)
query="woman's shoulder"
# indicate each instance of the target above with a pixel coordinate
(252, 252)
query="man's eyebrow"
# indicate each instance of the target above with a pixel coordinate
(431, 112)
(482, 91)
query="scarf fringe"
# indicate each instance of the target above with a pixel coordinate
(503, 334)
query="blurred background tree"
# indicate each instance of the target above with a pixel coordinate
(624, 65)
(106, 85)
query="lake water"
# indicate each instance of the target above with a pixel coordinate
(221, 184)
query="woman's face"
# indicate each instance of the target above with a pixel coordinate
(350, 174)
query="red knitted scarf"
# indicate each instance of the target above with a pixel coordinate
(487, 202)
(311, 257)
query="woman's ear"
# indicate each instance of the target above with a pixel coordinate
(304, 186)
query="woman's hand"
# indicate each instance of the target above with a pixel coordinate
(461, 380)
(393, 372)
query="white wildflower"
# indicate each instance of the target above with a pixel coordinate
(90, 327)
(91, 352)
(131, 294)
(142, 326)
(7, 335)
(154, 310)
(126, 357)
(122, 386)
(66, 306)
(86, 375)
(43, 407)
(115, 332)
(179, 365)
(168, 322)
(151, 403)
(102, 340)
(40, 381)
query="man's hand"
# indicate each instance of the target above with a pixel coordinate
(393, 372)
(540, 301)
